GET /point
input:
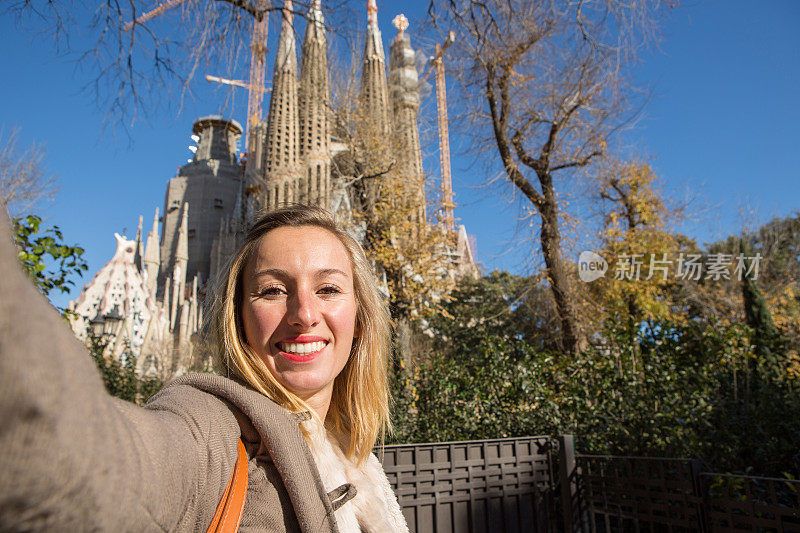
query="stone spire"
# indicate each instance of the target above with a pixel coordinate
(181, 260)
(403, 84)
(314, 115)
(193, 305)
(182, 250)
(152, 259)
(139, 246)
(167, 300)
(374, 99)
(281, 150)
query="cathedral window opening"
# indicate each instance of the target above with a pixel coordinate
(191, 233)
(218, 203)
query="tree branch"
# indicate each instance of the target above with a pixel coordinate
(580, 163)
(499, 123)
(524, 157)
(371, 176)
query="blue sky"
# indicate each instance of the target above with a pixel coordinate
(721, 129)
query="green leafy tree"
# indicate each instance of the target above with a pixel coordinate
(756, 310)
(49, 262)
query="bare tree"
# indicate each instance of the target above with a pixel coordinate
(24, 182)
(137, 64)
(543, 84)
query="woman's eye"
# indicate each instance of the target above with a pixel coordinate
(270, 291)
(329, 289)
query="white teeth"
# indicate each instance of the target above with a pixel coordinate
(302, 348)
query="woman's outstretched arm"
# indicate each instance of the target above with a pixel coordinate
(74, 458)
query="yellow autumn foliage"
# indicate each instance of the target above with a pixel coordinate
(637, 245)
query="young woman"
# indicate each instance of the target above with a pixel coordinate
(302, 339)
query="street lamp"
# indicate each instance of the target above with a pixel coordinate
(97, 325)
(112, 320)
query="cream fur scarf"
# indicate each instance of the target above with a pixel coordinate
(374, 509)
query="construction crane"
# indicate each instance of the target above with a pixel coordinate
(256, 95)
(226, 81)
(258, 66)
(169, 4)
(444, 134)
(235, 83)
(258, 62)
(255, 85)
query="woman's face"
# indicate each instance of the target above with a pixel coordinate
(299, 308)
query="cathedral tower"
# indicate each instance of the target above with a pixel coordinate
(374, 98)
(211, 183)
(281, 164)
(314, 103)
(403, 84)
(374, 131)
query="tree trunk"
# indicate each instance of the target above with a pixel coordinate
(571, 333)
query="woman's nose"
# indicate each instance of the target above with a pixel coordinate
(303, 310)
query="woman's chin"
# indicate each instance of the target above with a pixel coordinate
(304, 383)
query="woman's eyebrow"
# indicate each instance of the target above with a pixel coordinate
(276, 272)
(328, 271)
(280, 273)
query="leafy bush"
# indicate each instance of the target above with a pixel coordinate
(670, 389)
(119, 376)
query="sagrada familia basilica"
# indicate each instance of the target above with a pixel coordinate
(148, 299)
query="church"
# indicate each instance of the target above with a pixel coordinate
(148, 300)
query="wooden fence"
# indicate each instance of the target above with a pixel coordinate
(539, 484)
(475, 486)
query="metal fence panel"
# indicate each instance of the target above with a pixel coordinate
(747, 503)
(498, 485)
(508, 485)
(618, 493)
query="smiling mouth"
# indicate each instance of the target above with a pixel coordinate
(301, 348)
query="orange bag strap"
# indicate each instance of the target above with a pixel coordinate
(229, 511)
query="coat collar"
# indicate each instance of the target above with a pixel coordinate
(281, 435)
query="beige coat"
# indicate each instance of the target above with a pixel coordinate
(72, 458)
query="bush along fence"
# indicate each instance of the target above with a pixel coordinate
(539, 484)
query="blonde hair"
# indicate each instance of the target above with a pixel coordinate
(359, 408)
